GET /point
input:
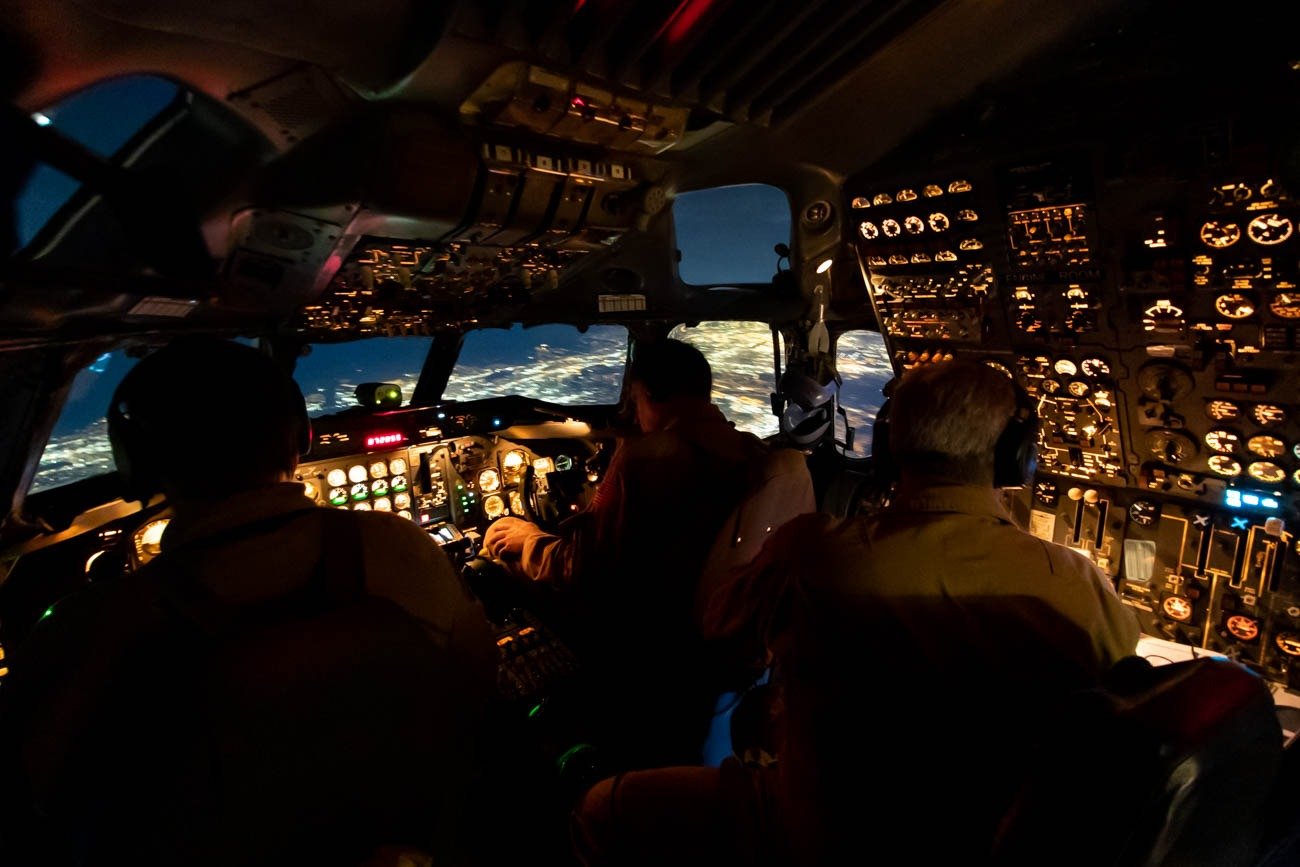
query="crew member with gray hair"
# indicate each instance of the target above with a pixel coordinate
(918, 652)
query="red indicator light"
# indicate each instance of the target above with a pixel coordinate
(390, 439)
(579, 102)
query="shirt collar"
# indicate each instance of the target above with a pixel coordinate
(939, 496)
(237, 510)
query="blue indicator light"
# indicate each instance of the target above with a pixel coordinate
(442, 415)
(1250, 499)
(496, 422)
(1240, 523)
(1270, 503)
(1233, 499)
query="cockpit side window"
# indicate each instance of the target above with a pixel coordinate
(556, 363)
(744, 377)
(78, 448)
(863, 363)
(102, 118)
(726, 235)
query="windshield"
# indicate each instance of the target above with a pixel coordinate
(330, 372)
(78, 448)
(555, 363)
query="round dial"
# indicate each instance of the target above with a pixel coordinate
(914, 225)
(1266, 446)
(383, 504)
(1243, 627)
(1164, 381)
(1065, 367)
(882, 199)
(1050, 386)
(1288, 643)
(905, 195)
(378, 470)
(494, 507)
(932, 190)
(489, 480)
(1223, 410)
(966, 215)
(1047, 493)
(379, 487)
(869, 230)
(1270, 229)
(1266, 414)
(360, 491)
(337, 477)
(356, 473)
(1144, 513)
(1094, 367)
(402, 501)
(1171, 446)
(1285, 305)
(361, 507)
(1224, 442)
(1078, 388)
(860, 202)
(398, 483)
(1220, 235)
(939, 222)
(1177, 608)
(1234, 305)
(1225, 466)
(890, 228)
(338, 496)
(397, 466)
(1266, 471)
(1295, 480)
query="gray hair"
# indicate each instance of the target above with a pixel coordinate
(945, 419)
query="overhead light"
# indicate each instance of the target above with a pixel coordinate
(825, 266)
(41, 119)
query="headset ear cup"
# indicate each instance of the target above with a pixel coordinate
(883, 465)
(1015, 457)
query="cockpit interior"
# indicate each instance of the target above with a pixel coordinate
(453, 221)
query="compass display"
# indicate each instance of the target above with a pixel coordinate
(1225, 466)
(1220, 235)
(1269, 229)
(1285, 305)
(1266, 471)
(1266, 446)
(1234, 305)
(1224, 442)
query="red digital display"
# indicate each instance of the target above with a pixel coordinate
(388, 439)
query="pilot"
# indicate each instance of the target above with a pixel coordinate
(916, 653)
(282, 683)
(629, 563)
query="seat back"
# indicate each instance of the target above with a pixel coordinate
(1168, 766)
(780, 488)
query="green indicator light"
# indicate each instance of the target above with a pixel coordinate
(49, 612)
(537, 708)
(359, 497)
(339, 501)
(399, 488)
(459, 486)
(379, 492)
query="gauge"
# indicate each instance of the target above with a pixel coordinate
(360, 491)
(397, 483)
(516, 503)
(1224, 442)
(959, 186)
(932, 190)
(939, 222)
(1163, 381)
(905, 195)
(401, 501)
(1050, 386)
(397, 466)
(1094, 367)
(966, 215)
(1220, 235)
(1223, 410)
(971, 244)
(868, 230)
(945, 256)
(383, 504)
(379, 487)
(1144, 513)
(338, 496)
(1266, 446)
(1047, 493)
(913, 225)
(148, 539)
(860, 202)
(890, 228)
(920, 258)
(1266, 471)
(489, 480)
(1225, 466)
(898, 259)
(378, 470)
(309, 490)
(1243, 627)
(1065, 367)
(1101, 398)
(1295, 450)
(1285, 305)
(1171, 445)
(881, 199)
(1078, 388)
(406, 513)
(1288, 643)
(1295, 479)
(361, 507)
(542, 466)
(1234, 305)
(494, 507)
(337, 477)
(1000, 368)
(1266, 414)
(1270, 229)
(1177, 608)
(356, 473)
(563, 463)
(876, 261)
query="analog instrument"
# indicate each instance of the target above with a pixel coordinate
(397, 483)
(905, 195)
(1269, 229)
(868, 230)
(1243, 627)
(1177, 608)
(1285, 305)
(959, 186)
(563, 463)
(361, 507)
(1266, 471)
(1172, 446)
(378, 470)
(489, 480)
(360, 491)
(1050, 386)
(1047, 493)
(1224, 442)
(913, 225)
(860, 202)
(1234, 305)
(148, 540)
(890, 228)
(1078, 388)
(1266, 446)
(337, 477)
(1288, 643)
(1225, 466)
(494, 507)
(939, 222)
(356, 473)
(1144, 513)
(1266, 414)
(401, 501)
(1295, 480)
(382, 505)
(932, 190)
(1220, 235)
(542, 466)
(1164, 381)
(338, 496)
(945, 256)
(1223, 410)
(898, 259)
(379, 487)
(1065, 367)
(881, 199)
(966, 215)
(397, 466)
(1094, 367)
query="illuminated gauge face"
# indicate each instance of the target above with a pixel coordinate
(905, 196)
(1266, 446)
(379, 487)
(1219, 235)
(945, 256)
(1224, 442)
(1078, 388)
(1177, 608)
(309, 490)
(868, 230)
(1225, 466)
(914, 225)
(516, 503)
(148, 539)
(378, 470)
(919, 258)
(489, 480)
(361, 507)
(397, 483)
(1000, 368)
(960, 186)
(397, 467)
(859, 203)
(877, 261)
(966, 215)
(939, 222)
(1266, 471)
(494, 507)
(405, 513)
(1065, 367)
(1144, 513)
(356, 473)
(881, 199)
(563, 463)
(514, 459)
(1266, 414)
(401, 501)
(338, 496)
(1295, 450)
(1285, 305)
(542, 466)
(337, 478)
(1269, 229)
(383, 504)
(1243, 628)
(1094, 367)
(1223, 410)
(1234, 305)
(360, 491)
(1050, 386)
(898, 259)
(1288, 643)
(1101, 397)
(1295, 480)
(971, 244)
(890, 228)
(932, 190)
(1047, 493)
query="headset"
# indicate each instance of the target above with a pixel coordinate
(809, 409)
(130, 435)
(1015, 455)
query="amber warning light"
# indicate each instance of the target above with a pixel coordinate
(387, 439)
